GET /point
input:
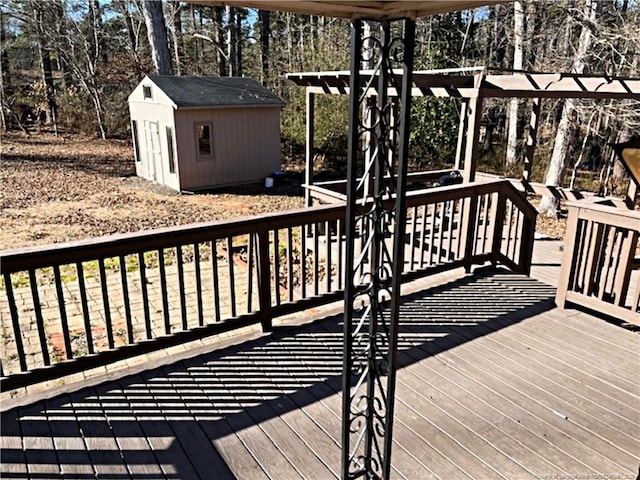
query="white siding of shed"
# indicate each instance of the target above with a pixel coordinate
(157, 110)
(246, 146)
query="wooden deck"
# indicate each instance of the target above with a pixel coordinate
(495, 382)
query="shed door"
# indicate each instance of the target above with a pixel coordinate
(154, 154)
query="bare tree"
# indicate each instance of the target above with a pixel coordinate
(133, 28)
(218, 39)
(5, 74)
(157, 35)
(518, 41)
(45, 63)
(175, 12)
(233, 41)
(265, 30)
(567, 128)
(81, 54)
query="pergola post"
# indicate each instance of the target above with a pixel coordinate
(308, 171)
(532, 135)
(462, 128)
(373, 273)
(472, 149)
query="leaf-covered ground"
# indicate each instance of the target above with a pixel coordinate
(61, 189)
(69, 188)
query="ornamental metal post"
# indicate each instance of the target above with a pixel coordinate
(373, 270)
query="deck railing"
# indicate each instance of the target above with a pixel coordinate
(70, 307)
(599, 268)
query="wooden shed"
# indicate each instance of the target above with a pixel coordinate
(193, 133)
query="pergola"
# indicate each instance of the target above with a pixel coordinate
(472, 86)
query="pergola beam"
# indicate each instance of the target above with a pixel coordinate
(516, 85)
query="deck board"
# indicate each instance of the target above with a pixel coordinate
(12, 455)
(37, 442)
(133, 443)
(69, 444)
(156, 429)
(101, 445)
(494, 382)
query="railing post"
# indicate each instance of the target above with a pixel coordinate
(470, 232)
(498, 226)
(526, 244)
(263, 263)
(567, 259)
(308, 172)
(621, 284)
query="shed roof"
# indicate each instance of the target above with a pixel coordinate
(187, 92)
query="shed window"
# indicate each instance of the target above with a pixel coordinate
(172, 161)
(134, 135)
(203, 139)
(146, 91)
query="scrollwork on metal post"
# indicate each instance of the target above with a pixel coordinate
(376, 218)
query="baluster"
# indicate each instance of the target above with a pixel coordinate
(198, 274)
(216, 280)
(181, 289)
(37, 308)
(303, 261)
(125, 297)
(327, 231)
(163, 291)
(250, 272)
(316, 258)
(290, 263)
(276, 264)
(85, 307)
(232, 288)
(17, 334)
(145, 296)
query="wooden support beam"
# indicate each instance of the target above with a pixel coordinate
(474, 113)
(308, 171)
(461, 132)
(560, 85)
(532, 135)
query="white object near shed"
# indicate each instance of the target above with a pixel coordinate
(193, 133)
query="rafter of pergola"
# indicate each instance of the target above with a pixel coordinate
(472, 85)
(451, 83)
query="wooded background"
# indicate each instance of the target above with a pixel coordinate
(70, 65)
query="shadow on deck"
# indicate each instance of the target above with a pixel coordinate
(494, 382)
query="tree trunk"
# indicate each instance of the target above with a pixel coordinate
(95, 33)
(218, 38)
(132, 33)
(59, 18)
(518, 40)
(238, 41)
(265, 33)
(531, 29)
(45, 66)
(5, 74)
(231, 41)
(289, 24)
(178, 44)
(157, 34)
(567, 128)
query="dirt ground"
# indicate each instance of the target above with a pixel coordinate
(68, 188)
